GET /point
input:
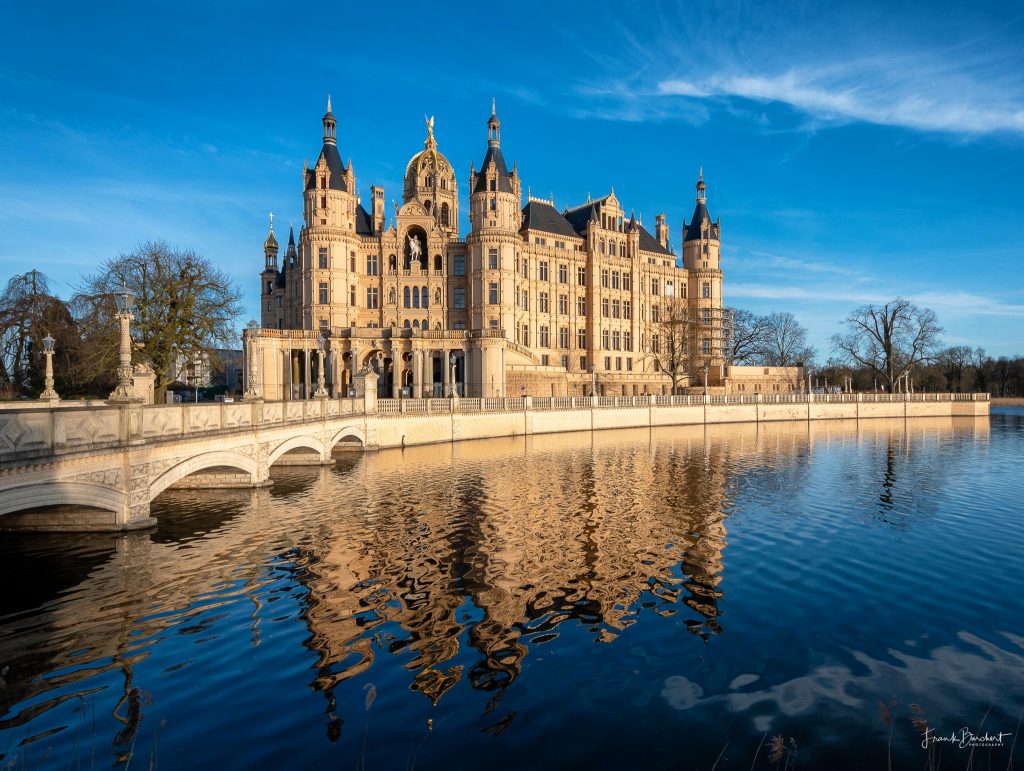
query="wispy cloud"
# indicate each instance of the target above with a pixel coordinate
(887, 90)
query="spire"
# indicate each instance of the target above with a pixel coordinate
(701, 187)
(330, 125)
(270, 245)
(493, 127)
(291, 234)
(430, 143)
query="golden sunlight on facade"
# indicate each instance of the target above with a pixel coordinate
(532, 302)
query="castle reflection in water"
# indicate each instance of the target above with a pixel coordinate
(459, 559)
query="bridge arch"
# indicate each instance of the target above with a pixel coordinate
(295, 443)
(348, 431)
(198, 463)
(62, 493)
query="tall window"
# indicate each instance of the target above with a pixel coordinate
(444, 210)
(526, 300)
(323, 256)
(563, 303)
(323, 293)
(707, 290)
(415, 297)
(655, 344)
(627, 281)
(627, 341)
(654, 286)
(616, 309)
(352, 296)
(706, 316)
(459, 266)
(542, 302)
(563, 337)
(655, 313)
(581, 306)
(372, 297)
(604, 339)
(604, 277)
(526, 334)
(544, 341)
(627, 309)
(406, 300)
(615, 279)
(604, 307)
(492, 258)
(352, 262)
(581, 338)
(459, 297)
(705, 346)
(438, 263)
(616, 340)
(492, 293)
(581, 276)
(542, 270)
(563, 273)
(424, 297)
(371, 265)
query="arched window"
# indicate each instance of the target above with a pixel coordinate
(407, 324)
(437, 297)
(392, 263)
(438, 263)
(444, 183)
(391, 296)
(416, 323)
(405, 297)
(427, 204)
(415, 298)
(444, 212)
(424, 296)
(437, 325)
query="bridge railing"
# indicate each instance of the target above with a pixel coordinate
(28, 432)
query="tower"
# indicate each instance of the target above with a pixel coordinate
(661, 230)
(268, 278)
(701, 249)
(430, 180)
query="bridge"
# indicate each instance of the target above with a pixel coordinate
(97, 466)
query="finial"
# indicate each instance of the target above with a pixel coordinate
(700, 177)
(271, 222)
(494, 109)
(328, 103)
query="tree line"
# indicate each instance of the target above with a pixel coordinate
(185, 308)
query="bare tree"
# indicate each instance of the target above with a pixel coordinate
(670, 345)
(889, 339)
(785, 342)
(954, 360)
(28, 312)
(185, 307)
(749, 337)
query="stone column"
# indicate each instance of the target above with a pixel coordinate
(445, 367)
(396, 374)
(355, 367)
(307, 371)
(417, 375)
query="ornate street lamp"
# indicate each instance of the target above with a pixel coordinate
(125, 391)
(707, 366)
(321, 391)
(451, 379)
(48, 394)
(593, 380)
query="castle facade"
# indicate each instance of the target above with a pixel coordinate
(532, 301)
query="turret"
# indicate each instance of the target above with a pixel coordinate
(270, 247)
(268, 278)
(661, 230)
(377, 194)
(701, 238)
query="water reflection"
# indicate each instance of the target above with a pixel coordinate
(459, 565)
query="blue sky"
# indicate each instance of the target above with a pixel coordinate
(853, 155)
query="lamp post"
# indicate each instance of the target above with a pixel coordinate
(707, 366)
(451, 377)
(125, 391)
(321, 391)
(48, 394)
(593, 381)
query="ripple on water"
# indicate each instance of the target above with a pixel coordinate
(540, 601)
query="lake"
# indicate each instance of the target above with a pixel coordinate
(623, 599)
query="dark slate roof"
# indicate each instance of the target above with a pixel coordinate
(504, 186)
(364, 223)
(334, 164)
(649, 243)
(579, 218)
(544, 217)
(699, 213)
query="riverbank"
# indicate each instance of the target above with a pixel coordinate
(1008, 401)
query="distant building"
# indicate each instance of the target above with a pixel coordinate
(528, 302)
(222, 367)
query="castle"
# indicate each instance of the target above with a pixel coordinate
(532, 301)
